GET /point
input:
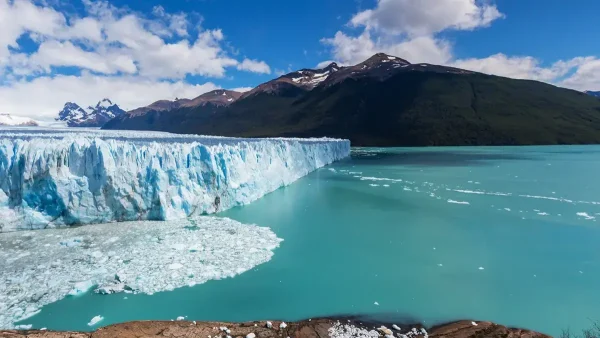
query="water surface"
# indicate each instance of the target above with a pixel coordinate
(507, 234)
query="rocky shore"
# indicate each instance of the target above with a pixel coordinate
(315, 328)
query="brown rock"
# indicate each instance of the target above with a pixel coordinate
(317, 328)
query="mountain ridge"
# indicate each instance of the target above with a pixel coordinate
(219, 97)
(76, 116)
(388, 101)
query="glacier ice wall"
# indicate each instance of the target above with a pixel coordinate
(52, 178)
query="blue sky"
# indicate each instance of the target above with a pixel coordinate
(136, 52)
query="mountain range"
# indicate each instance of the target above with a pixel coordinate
(386, 101)
(76, 116)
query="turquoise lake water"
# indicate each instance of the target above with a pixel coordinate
(524, 251)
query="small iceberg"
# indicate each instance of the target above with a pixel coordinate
(95, 320)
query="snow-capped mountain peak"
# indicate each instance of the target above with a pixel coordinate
(104, 103)
(76, 116)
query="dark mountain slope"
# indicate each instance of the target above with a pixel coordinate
(174, 115)
(400, 104)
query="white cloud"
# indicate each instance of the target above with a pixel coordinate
(426, 17)
(54, 53)
(131, 57)
(326, 63)
(586, 77)
(177, 23)
(51, 93)
(254, 66)
(21, 16)
(409, 29)
(525, 67)
(352, 50)
(242, 89)
(108, 33)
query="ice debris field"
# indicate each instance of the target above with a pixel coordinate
(53, 178)
(42, 266)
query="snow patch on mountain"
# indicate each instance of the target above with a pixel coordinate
(310, 77)
(9, 120)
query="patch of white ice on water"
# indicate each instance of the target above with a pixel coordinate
(36, 269)
(95, 320)
(585, 215)
(458, 202)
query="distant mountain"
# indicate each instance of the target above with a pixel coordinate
(596, 94)
(388, 101)
(157, 115)
(76, 116)
(9, 120)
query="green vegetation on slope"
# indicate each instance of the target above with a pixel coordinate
(417, 108)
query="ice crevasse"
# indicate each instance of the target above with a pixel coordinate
(53, 178)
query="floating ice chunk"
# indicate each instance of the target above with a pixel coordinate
(374, 185)
(81, 287)
(458, 202)
(376, 303)
(440, 264)
(585, 215)
(269, 325)
(43, 329)
(23, 327)
(507, 209)
(135, 262)
(95, 320)
(251, 335)
(180, 318)
(396, 327)
(481, 268)
(283, 325)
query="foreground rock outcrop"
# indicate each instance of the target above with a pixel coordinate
(318, 328)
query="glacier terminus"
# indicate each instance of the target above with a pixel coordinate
(56, 178)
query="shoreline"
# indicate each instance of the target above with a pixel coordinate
(310, 328)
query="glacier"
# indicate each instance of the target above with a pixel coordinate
(58, 177)
(38, 267)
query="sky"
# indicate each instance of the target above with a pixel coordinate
(138, 51)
